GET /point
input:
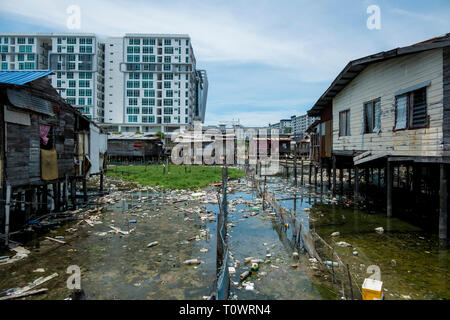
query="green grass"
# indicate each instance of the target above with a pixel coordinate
(175, 177)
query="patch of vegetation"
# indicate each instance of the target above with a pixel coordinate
(175, 177)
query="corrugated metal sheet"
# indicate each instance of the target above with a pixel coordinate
(22, 77)
(25, 100)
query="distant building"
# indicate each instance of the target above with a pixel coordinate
(77, 59)
(300, 124)
(284, 126)
(153, 84)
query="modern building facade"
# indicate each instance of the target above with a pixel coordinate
(284, 126)
(300, 124)
(77, 59)
(134, 83)
(153, 84)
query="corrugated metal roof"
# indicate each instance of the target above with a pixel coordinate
(25, 100)
(22, 77)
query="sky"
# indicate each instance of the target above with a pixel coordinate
(266, 60)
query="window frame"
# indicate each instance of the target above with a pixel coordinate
(409, 110)
(348, 122)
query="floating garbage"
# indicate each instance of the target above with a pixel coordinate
(192, 262)
(255, 266)
(248, 259)
(295, 255)
(232, 270)
(152, 244)
(332, 263)
(379, 229)
(133, 221)
(335, 234)
(244, 275)
(355, 253)
(343, 244)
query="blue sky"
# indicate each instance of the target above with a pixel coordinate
(265, 59)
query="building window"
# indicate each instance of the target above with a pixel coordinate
(132, 110)
(411, 110)
(167, 42)
(70, 92)
(168, 76)
(372, 113)
(147, 110)
(168, 102)
(344, 123)
(132, 118)
(166, 119)
(71, 40)
(168, 50)
(72, 83)
(167, 84)
(168, 110)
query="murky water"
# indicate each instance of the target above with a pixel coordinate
(114, 266)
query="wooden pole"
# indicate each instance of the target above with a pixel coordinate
(356, 185)
(295, 164)
(101, 179)
(334, 175)
(45, 198)
(315, 176)
(443, 194)
(65, 192)
(73, 193)
(389, 183)
(7, 208)
(341, 179)
(349, 170)
(301, 177)
(85, 195)
(321, 177)
(350, 282)
(309, 173)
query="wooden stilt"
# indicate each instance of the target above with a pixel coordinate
(7, 208)
(341, 179)
(301, 176)
(45, 198)
(349, 170)
(334, 175)
(321, 177)
(73, 193)
(443, 194)
(389, 183)
(101, 181)
(28, 204)
(356, 185)
(309, 173)
(315, 176)
(379, 178)
(85, 195)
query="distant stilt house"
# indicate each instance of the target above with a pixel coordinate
(45, 147)
(386, 118)
(134, 147)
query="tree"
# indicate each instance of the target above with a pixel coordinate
(160, 135)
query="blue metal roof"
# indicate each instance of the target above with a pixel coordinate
(22, 77)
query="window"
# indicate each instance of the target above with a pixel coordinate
(147, 110)
(21, 57)
(147, 76)
(70, 92)
(132, 110)
(30, 40)
(167, 67)
(70, 49)
(132, 101)
(168, 50)
(166, 119)
(372, 113)
(72, 84)
(411, 110)
(148, 119)
(69, 75)
(344, 123)
(167, 84)
(132, 118)
(20, 40)
(169, 93)
(168, 76)
(168, 110)
(167, 42)
(168, 102)
(71, 40)
(149, 93)
(81, 101)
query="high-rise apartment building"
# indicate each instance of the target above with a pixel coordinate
(139, 82)
(77, 60)
(300, 124)
(152, 83)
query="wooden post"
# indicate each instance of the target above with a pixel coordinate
(349, 170)
(287, 168)
(7, 208)
(321, 177)
(85, 195)
(45, 198)
(389, 183)
(28, 204)
(295, 164)
(329, 175)
(366, 177)
(356, 185)
(379, 178)
(56, 195)
(65, 193)
(264, 193)
(443, 202)
(301, 177)
(350, 282)
(315, 175)
(334, 175)
(341, 179)
(309, 173)
(101, 179)
(73, 193)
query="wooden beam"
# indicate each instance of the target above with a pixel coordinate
(389, 182)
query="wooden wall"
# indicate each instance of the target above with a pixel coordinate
(382, 80)
(446, 88)
(23, 164)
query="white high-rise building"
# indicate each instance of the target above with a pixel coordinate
(77, 60)
(300, 124)
(152, 83)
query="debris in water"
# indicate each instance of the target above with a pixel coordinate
(379, 229)
(152, 244)
(335, 234)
